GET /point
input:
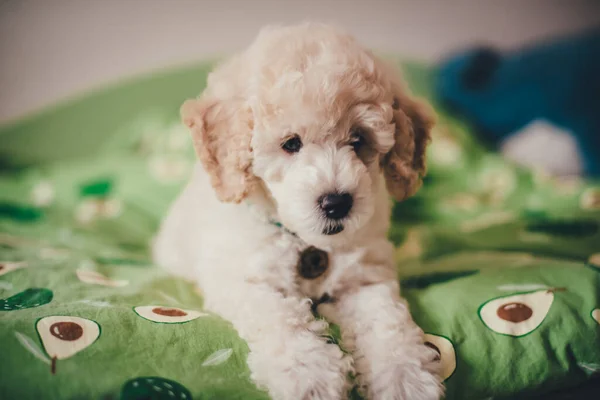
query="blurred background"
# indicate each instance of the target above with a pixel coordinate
(51, 50)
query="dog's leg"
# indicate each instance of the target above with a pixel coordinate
(391, 360)
(287, 355)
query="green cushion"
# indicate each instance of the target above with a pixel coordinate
(84, 186)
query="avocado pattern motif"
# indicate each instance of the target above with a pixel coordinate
(167, 315)
(594, 261)
(29, 298)
(9, 266)
(65, 336)
(517, 314)
(96, 278)
(97, 201)
(446, 354)
(155, 388)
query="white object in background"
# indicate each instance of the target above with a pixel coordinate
(544, 146)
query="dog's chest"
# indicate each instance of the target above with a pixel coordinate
(322, 275)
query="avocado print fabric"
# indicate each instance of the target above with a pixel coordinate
(501, 266)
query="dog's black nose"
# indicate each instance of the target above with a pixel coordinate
(336, 205)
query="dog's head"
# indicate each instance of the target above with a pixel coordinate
(312, 119)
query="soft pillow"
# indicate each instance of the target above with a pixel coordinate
(496, 262)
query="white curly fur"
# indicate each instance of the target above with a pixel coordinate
(316, 82)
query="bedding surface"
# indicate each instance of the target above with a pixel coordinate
(501, 266)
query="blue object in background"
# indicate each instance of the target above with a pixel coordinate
(500, 93)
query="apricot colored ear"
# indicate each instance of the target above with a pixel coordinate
(221, 132)
(405, 164)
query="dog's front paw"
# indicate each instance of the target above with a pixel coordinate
(305, 368)
(407, 374)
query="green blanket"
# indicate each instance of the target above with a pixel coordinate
(501, 266)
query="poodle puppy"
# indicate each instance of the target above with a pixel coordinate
(302, 138)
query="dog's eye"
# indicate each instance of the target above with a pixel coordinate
(292, 144)
(357, 138)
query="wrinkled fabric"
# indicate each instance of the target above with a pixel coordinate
(83, 188)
